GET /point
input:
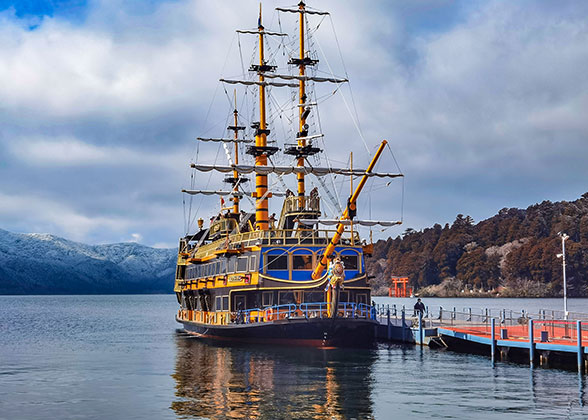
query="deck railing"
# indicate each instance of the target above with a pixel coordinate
(280, 312)
(508, 324)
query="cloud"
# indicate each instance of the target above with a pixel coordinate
(69, 151)
(493, 107)
(136, 237)
(99, 114)
(31, 213)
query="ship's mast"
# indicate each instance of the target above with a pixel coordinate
(235, 173)
(261, 204)
(302, 132)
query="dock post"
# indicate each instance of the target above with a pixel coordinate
(580, 348)
(531, 343)
(421, 328)
(389, 325)
(403, 326)
(492, 341)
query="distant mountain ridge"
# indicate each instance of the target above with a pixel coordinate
(47, 264)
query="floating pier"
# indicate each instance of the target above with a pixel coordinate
(540, 339)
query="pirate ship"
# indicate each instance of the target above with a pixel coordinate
(249, 276)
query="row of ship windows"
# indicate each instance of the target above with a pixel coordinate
(297, 262)
(305, 262)
(230, 265)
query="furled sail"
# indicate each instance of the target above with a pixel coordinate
(258, 83)
(333, 222)
(305, 78)
(239, 194)
(221, 140)
(305, 11)
(285, 170)
(258, 32)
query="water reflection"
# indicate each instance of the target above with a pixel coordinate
(217, 382)
(581, 389)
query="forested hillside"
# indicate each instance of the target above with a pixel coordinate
(510, 254)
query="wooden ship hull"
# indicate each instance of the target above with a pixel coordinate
(298, 331)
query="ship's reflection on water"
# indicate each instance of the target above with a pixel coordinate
(242, 382)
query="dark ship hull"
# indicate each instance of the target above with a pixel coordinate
(317, 332)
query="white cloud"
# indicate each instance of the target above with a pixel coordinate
(68, 151)
(32, 213)
(490, 101)
(136, 237)
(164, 245)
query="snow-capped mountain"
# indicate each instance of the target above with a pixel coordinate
(44, 264)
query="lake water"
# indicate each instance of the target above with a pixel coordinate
(121, 357)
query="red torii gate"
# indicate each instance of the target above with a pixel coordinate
(401, 288)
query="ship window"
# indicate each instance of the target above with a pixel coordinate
(218, 304)
(361, 298)
(268, 298)
(217, 267)
(277, 262)
(350, 261)
(240, 302)
(302, 262)
(310, 297)
(286, 297)
(223, 266)
(190, 302)
(232, 263)
(225, 303)
(242, 264)
(253, 263)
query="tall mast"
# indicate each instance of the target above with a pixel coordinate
(261, 204)
(235, 173)
(302, 132)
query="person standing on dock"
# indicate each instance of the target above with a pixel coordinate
(419, 307)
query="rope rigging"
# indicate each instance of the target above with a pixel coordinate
(282, 112)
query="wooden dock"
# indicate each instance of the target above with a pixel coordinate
(500, 335)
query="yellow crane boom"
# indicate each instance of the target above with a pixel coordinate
(318, 271)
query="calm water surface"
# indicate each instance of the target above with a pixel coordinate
(120, 357)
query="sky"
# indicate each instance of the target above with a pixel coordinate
(484, 105)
